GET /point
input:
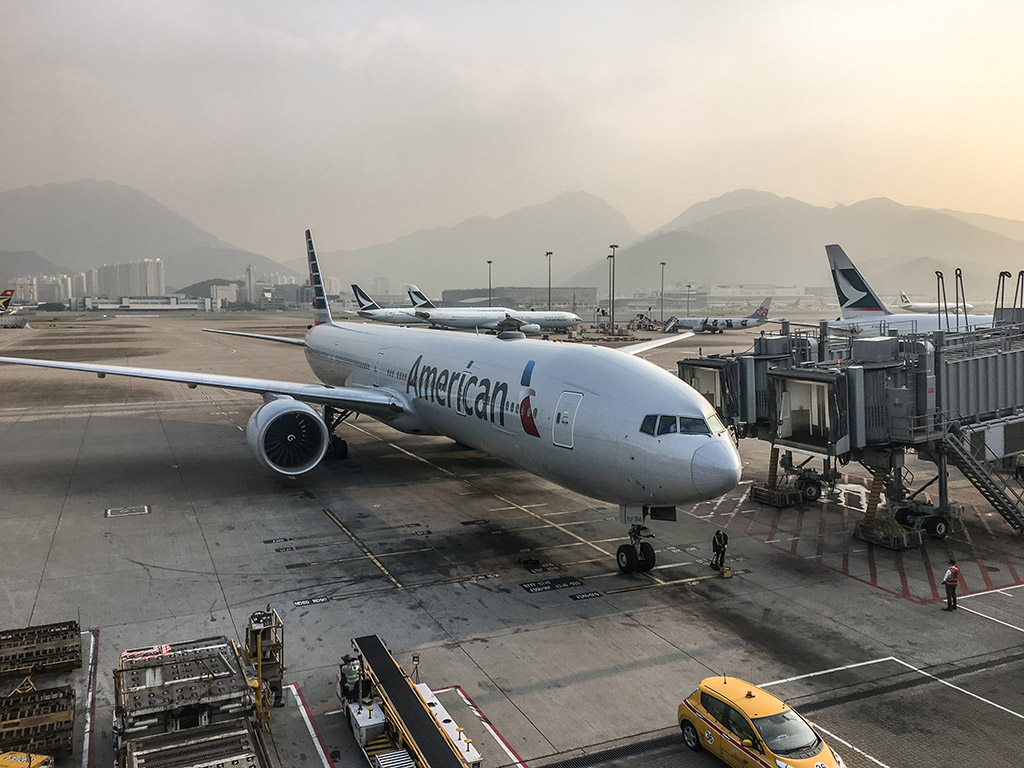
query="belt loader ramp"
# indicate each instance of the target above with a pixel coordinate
(398, 723)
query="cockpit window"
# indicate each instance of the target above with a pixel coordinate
(691, 426)
(650, 422)
(715, 423)
(668, 425)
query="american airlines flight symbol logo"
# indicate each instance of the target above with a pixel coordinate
(525, 407)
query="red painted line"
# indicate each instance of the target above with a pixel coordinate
(796, 536)
(846, 542)
(904, 585)
(750, 525)
(93, 668)
(309, 717)
(821, 534)
(931, 575)
(978, 560)
(872, 566)
(775, 525)
(1012, 570)
(488, 725)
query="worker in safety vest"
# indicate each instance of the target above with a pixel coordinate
(718, 545)
(350, 673)
(950, 581)
(1018, 466)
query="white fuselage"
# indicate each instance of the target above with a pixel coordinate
(570, 413)
(492, 317)
(715, 324)
(394, 315)
(925, 306)
(880, 323)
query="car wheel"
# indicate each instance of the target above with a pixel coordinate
(690, 736)
(627, 558)
(811, 490)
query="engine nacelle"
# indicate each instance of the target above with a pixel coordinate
(529, 328)
(287, 436)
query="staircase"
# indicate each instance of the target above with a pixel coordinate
(1005, 499)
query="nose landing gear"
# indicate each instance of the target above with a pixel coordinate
(638, 555)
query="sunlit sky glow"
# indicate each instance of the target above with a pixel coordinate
(369, 120)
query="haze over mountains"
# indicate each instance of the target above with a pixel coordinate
(743, 237)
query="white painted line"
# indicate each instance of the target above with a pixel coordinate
(992, 618)
(958, 688)
(90, 697)
(313, 735)
(826, 671)
(1000, 590)
(776, 541)
(506, 748)
(848, 744)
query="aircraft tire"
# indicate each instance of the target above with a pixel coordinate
(647, 557)
(338, 448)
(627, 558)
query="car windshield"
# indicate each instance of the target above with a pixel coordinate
(785, 732)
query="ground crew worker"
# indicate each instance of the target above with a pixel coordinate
(718, 544)
(349, 677)
(1018, 466)
(950, 581)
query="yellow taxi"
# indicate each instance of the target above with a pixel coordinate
(25, 760)
(748, 727)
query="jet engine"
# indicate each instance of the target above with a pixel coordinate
(529, 328)
(287, 436)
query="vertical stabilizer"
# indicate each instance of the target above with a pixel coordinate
(419, 299)
(856, 299)
(5, 299)
(761, 313)
(321, 310)
(363, 299)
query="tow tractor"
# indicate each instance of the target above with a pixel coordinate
(396, 721)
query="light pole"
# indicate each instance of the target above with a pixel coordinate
(489, 282)
(687, 299)
(611, 300)
(663, 293)
(548, 255)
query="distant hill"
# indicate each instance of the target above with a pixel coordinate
(756, 237)
(202, 289)
(14, 264)
(82, 225)
(574, 226)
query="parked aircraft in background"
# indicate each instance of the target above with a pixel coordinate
(720, 324)
(864, 314)
(491, 318)
(5, 301)
(371, 310)
(602, 422)
(924, 306)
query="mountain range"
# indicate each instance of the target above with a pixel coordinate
(743, 237)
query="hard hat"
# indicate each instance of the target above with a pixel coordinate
(347, 658)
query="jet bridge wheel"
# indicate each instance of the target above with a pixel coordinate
(810, 490)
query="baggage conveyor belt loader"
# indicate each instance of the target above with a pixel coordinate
(396, 722)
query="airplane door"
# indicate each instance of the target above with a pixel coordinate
(376, 369)
(565, 418)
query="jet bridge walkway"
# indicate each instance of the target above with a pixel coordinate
(954, 397)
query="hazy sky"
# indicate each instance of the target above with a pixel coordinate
(369, 120)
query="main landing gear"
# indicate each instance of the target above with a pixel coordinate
(338, 448)
(638, 555)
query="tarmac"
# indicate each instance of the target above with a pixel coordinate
(136, 508)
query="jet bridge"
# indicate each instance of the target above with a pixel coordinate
(953, 397)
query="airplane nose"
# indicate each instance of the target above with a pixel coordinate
(715, 468)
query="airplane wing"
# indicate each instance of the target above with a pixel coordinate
(281, 339)
(645, 346)
(372, 402)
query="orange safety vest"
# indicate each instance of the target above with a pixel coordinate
(954, 572)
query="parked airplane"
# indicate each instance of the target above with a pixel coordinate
(371, 310)
(924, 306)
(864, 314)
(5, 300)
(597, 421)
(720, 324)
(491, 318)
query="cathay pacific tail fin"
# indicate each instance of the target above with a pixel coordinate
(856, 298)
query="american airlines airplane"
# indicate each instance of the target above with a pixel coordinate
(923, 306)
(371, 310)
(721, 324)
(601, 422)
(864, 314)
(491, 318)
